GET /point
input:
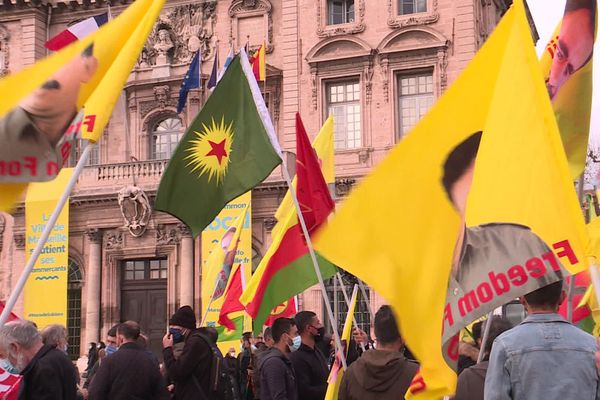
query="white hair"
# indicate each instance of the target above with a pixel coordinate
(23, 333)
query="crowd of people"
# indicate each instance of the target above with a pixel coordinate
(543, 357)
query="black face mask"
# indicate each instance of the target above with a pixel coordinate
(320, 333)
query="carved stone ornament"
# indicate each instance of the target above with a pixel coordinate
(247, 9)
(135, 208)
(162, 94)
(179, 33)
(343, 187)
(184, 230)
(357, 26)
(269, 223)
(384, 64)
(19, 239)
(369, 81)
(4, 51)
(148, 106)
(94, 235)
(395, 20)
(113, 240)
(166, 234)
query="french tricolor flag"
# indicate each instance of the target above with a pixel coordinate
(77, 31)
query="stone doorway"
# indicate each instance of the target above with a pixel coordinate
(144, 298)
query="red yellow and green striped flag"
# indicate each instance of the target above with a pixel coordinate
(286, 269)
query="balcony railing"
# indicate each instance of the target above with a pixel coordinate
(125, 171)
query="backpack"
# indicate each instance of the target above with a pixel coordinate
(223, 386)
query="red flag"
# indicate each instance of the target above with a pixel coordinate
(313, 194)
(231, 301)
(287, 309)
(9, 385)
(12, 316)
(259, 66)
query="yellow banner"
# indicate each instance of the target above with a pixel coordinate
(211, 236)
(46, 289)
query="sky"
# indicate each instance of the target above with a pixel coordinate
(547, 14)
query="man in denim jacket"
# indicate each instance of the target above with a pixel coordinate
(544, 357)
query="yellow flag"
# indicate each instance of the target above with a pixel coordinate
(398, 230)
(92, 70)
(337, 371)
(568, 68)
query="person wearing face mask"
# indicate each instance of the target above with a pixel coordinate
(310, 365)
(277, 377)
(47, 372)
(190, 371)
(244, 359)
(111, 341)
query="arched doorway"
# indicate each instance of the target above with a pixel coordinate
(74, 284)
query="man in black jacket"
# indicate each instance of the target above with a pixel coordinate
(277, 379)
(310, 365)
(128, 374)
(190, 372)
(47, 372)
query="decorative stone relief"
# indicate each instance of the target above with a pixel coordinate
(369, 81)
(357, 26)
(147, 106)
(113, 240)
(399, 21)
(179, 34)
(385, 78)
(313, 86)
(443, 66)
(162, 94)
(4, 51)
(246, 10)
(135, 208)
(166, 234)
(269, 223)
(184, 230)
(94, 235)
(19, 239)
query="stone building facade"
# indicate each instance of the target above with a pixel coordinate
(376, 65)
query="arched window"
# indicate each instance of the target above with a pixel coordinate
(165, 136)
(338, 304)
(74, 309)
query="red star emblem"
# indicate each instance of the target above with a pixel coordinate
(217, 150)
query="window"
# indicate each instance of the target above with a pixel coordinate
(411, 6)
(343, 102)
(74, 309)
(415, 97)
(165, 136)
(340, 12)
(338, 302)
(77, 149)
(141, 270)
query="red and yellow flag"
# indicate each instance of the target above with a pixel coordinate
(259, 66)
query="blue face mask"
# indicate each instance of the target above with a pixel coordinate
(8, 366)
(176, 335)
(296, 342)
(110, 349)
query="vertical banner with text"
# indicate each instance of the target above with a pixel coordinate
(46, 289)
(211, 237)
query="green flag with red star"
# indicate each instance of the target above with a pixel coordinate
(229, 148)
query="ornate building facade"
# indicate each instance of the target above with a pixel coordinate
(376, 65)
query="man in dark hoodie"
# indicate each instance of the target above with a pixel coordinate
(277, 379)
(472, 380)
(383, 373)
(191, 370)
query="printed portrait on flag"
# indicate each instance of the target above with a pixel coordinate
(36, 134)
(575, 43)
(224, 273)
(493, 263)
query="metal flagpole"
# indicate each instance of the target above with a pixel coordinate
(347, 300)
(16, 292)
(361, 285)
(571, 288)
(315, 263)
(486, 334)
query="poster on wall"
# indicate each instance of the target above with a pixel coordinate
(45, 300)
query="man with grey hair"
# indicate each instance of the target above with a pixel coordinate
(47, 372)
(56, 335)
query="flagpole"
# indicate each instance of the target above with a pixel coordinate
(315, 263)
(486, 334)
(347, 300)
(212, 297)
(16, 292)
(361, 285)
(571, 288)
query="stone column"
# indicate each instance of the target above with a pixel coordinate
(93, 279)
(186, 271)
